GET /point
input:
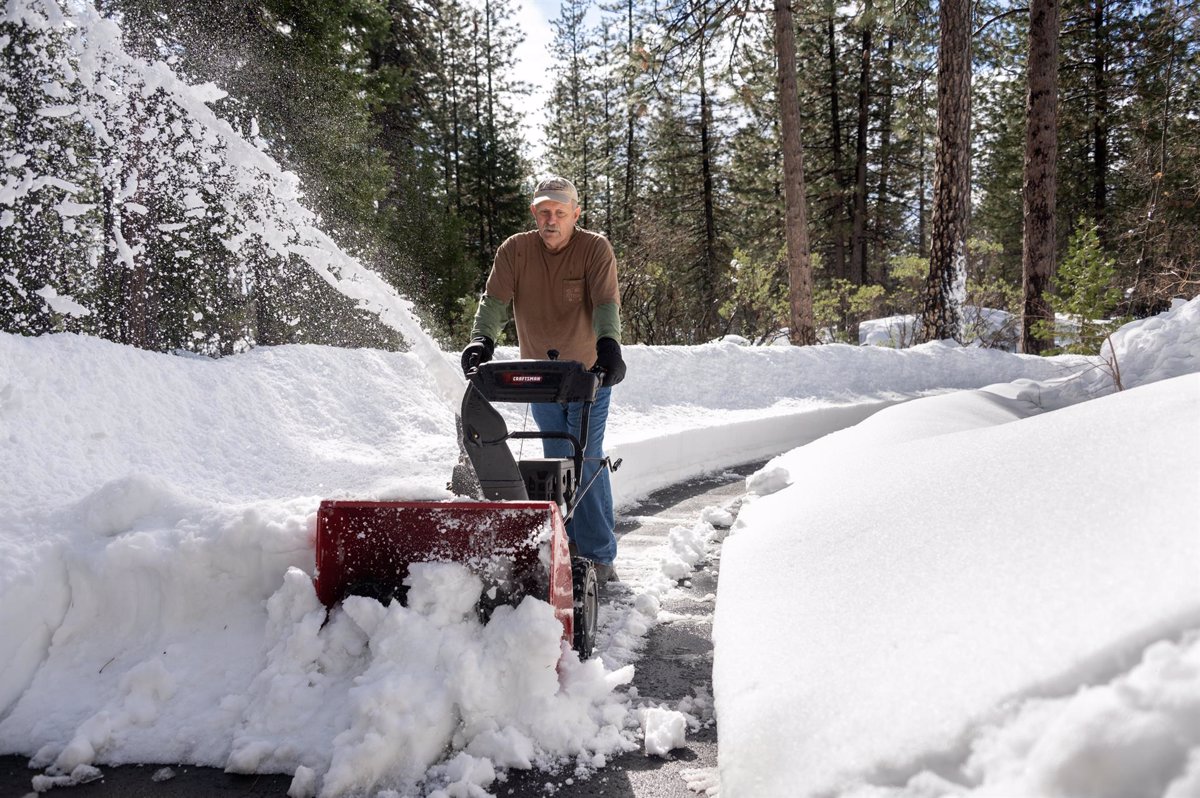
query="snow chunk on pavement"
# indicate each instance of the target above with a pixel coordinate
(719, 517)
(81, 774)
(768, 480)
(686, 548)
(664, 730)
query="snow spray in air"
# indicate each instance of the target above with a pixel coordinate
(108, 147)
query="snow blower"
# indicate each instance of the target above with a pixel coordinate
(509, 528)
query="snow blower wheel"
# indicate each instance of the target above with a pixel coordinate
(585, 590)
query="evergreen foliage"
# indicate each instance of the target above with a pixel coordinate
(1086, 292)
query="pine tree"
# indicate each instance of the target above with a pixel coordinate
(800, 299)
(42, 237)
(1086, 291)
(575, 125)
(1041, 161)
(1161, 206)
(626, 72)
(492, 198)
(865, 25)
(685, 170)
(756, 158)
(941, 315)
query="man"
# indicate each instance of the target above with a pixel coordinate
(562, 283)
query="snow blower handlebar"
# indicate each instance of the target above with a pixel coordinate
(484, 433)
(535, 381)
(541, 381)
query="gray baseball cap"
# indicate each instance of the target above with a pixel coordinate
(558, 189)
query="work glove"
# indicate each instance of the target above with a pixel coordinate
(608, 362)
(478, 351)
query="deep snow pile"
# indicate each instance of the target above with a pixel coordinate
(955, 582)
(155, 505)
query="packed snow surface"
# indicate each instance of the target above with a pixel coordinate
(946, 598)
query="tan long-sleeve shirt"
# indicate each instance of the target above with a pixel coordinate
(554, 293)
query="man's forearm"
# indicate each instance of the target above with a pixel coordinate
(490, 318)
(606, 321)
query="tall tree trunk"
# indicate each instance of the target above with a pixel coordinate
(878, 273)
(456, 145)
(858, 236)
(577, 89)
(480, 164)
(1041, 177)
(112, 271)
(1100, 114)
(630, 121)
(265, 287)
(448, 106)
(945, 289)
(454, 57)
(139, 325)
(922, 182)
(709, 265)
(491, 165)
(800, 291)
(607, 153)
(837, 209)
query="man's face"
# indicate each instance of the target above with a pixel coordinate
(555, 222)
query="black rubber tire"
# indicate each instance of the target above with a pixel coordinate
(586, 593)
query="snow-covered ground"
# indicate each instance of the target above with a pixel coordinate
(965, 595)
(156, 554)
(948, 597)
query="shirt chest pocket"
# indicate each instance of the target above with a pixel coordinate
(572, 291)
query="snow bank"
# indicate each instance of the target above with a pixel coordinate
(683, 411)
(1158, 347)
(959, 554)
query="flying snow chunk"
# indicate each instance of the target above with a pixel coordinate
(62, 304)
(208, 92)
(57, 111)
(68, 209)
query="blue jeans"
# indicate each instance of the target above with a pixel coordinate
(591, 528)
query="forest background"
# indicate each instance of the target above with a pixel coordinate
(405, 121)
